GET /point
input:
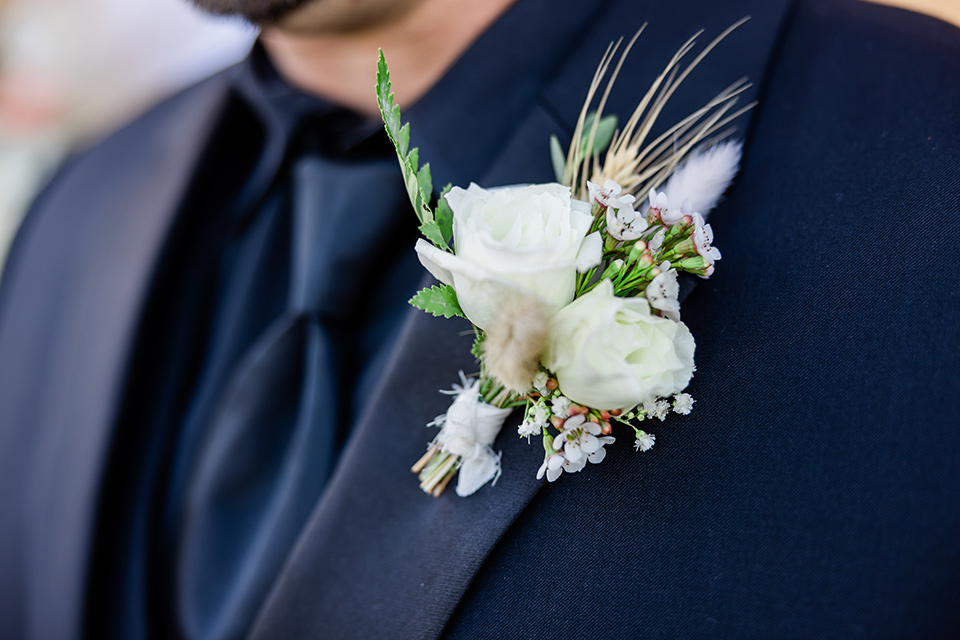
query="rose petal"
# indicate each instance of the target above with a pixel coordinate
(591, 252)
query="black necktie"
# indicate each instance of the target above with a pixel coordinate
(271, 437)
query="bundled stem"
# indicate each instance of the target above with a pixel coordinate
(436, 468)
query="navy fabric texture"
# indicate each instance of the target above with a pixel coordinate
(813, 492)
(270, 312)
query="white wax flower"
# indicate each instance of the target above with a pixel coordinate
(526, 241)
(612, 353)
(609, 194)
(703, 240)
(576, 445)
(663, 292)
(557, 463)
(658, 202)
(624, 224)
(578, 438)
(656, 242)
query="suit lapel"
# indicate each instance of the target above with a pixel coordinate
(95, 327)
(378, 557)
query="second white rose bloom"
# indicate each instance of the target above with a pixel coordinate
(612, 353)
(526, 241)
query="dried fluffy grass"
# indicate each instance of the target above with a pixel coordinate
(512, 348)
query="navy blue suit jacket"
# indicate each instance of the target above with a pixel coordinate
(813, 493)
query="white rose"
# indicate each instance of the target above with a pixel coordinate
(514, 241)
(612, 353)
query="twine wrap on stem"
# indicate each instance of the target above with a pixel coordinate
(468, 430)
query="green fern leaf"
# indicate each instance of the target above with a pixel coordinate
(417, 180)
(439, 300)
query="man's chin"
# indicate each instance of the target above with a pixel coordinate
(260, 12)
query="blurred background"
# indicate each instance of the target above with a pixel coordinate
(73, 69)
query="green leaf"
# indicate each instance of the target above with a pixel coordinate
(605, 130)
(477, 349)
(413, 158)
(445, 215)
(439, 300)
(558, 157)
(431, 231)
(403, 141)
(424, 180)
(388, 111)
(417, 180)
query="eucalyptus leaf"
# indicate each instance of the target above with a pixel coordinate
(558, 158)
(605, 130)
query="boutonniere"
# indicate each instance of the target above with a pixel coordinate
(571, 287)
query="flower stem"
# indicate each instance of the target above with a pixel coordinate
(433, 479)
(438, 490)
(422, 462)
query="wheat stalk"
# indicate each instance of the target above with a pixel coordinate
(632, 162)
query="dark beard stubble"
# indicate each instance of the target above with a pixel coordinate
(256, 11)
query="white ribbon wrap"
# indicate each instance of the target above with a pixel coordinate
(468, 429)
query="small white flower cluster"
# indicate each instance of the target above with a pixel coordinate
(699, 244)
(551, 404)
(623, 223)
(644, 441)
(682, 404)
(579, 442)
(659, 408)
(537, 418)
(655, 409)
